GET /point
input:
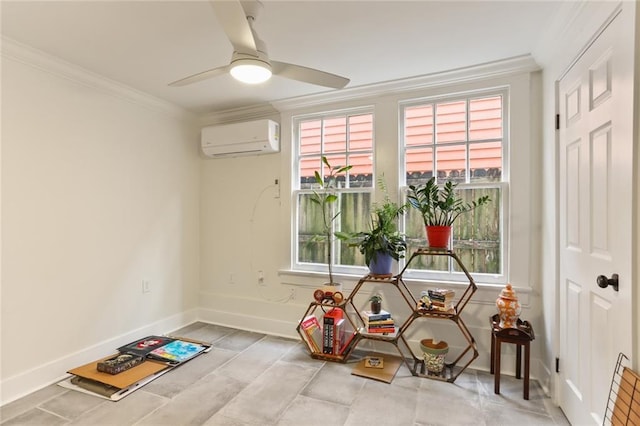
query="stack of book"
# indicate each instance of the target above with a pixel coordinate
(136, 364)
(378, 323)
(330, 335)
(442, 299)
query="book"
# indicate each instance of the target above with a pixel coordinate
(119, 363)
(449, 310)
(374, 362)
(338, 336)
(177, 351)
(385, 374)
(389, 321)
(381, 330)
(377, 325)
(441, 294)
(144, 346)
(327, 339)
(442, 306)
(312, 329)
(330, 319)
(446, 291)
(349, 336)
(390, 332)
(370, 316)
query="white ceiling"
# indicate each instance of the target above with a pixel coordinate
(148, 44)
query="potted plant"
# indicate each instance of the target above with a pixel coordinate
(376, 303)
(382, 243)
(325, 197)
(440, 207)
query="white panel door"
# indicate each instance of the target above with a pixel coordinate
(595, 188)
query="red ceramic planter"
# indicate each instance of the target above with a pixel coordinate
(438, 236)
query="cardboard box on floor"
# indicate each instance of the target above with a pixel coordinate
(120, 380)
(391, 364)
(88, 379)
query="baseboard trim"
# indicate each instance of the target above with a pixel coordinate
(256, 324)
(22, 384)
(30, 381)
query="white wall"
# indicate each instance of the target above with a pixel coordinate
(100, 190)
(245, 229)
(241, 235)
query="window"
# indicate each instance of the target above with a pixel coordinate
(460, 139)
(345, 139)
(460, 132)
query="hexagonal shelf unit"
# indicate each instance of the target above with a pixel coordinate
(469, 353)
(315, 332)
(328, 331)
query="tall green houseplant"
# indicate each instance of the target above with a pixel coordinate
(440, 206)
(325, 196)
(382, 235)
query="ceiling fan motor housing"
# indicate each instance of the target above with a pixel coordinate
(250, 68)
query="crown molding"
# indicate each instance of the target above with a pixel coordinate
(254, 112)
(14, 50)
(501, 68)
(563, 20)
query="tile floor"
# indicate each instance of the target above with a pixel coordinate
(255, 379)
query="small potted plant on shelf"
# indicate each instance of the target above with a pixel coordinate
(376, 303)
(325, 197)
(440, 207)
(382, 243)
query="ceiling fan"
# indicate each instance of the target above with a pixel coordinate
(250, 62)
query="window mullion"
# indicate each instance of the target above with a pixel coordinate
(467, 174)
(434, 140)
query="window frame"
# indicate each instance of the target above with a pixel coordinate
(296, 190)
(503, 184)
(525, 160)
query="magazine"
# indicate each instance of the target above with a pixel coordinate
(144, 346)
(177, 351)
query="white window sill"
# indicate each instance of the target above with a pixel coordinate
(486, 293)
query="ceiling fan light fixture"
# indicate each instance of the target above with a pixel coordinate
(250, 71)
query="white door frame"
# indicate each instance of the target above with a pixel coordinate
(634, 11)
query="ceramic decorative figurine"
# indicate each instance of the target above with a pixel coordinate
(508, 307)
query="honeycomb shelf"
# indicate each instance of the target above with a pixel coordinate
(414, 363)
(351, 339)
(469, 353)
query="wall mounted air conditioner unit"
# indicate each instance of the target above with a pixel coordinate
(237, 139)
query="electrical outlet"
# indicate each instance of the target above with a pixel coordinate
(292, 294)
(146, 286)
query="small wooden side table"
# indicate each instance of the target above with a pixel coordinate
(520, 336)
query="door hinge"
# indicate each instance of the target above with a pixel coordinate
(557, 121)
(557, 365)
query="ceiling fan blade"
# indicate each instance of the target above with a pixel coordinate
(233, 19)
(308, 75)
(200, 76)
